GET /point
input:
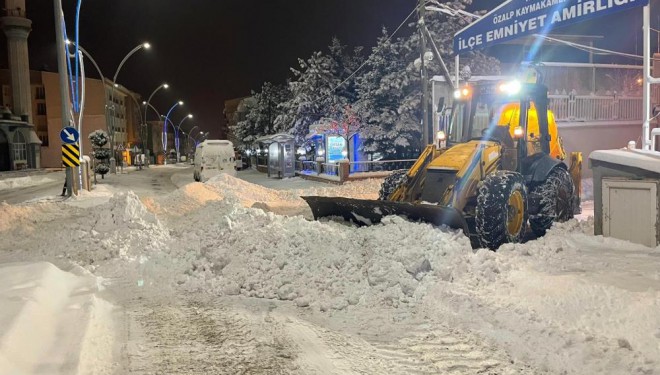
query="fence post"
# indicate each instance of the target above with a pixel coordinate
(572, 105)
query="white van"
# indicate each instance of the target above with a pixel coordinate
(212, 157)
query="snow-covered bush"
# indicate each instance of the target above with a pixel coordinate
(101, 169)
(102, 153)
(99, 138)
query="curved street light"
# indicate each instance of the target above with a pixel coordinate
(190, 132)
(167, 118)
(176, 136)
(146, 110)
(113, 166)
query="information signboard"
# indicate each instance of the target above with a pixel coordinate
(517, 18)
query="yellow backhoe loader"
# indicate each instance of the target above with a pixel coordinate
(497, 169)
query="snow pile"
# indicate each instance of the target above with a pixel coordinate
(124, 210)
(12, 183)
(288, 202)
(233, 250)
(122, 228)
(25, 218)
(185, 199)
(283, 202)
(40, 303)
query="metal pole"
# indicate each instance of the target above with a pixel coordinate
(64, 78)
(646, 136)
(457, 62)
(425, 86)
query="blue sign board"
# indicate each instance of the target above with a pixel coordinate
(69, 135)
(517, 18)
(336, 146)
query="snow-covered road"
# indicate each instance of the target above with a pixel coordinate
(231, 277)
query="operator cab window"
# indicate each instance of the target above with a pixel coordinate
(482, 117)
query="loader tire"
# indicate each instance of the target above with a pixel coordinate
(501, 213)
(555, 201)
(391, 183)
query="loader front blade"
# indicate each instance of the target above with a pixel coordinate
(368, 212)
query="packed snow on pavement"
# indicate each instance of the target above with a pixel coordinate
(231, 277)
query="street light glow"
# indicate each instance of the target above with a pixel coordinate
(180, 102)
(144, 102)
(146, 45)
(165, 85)
(190, 115)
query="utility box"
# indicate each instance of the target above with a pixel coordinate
(630, 210)
(626, 194)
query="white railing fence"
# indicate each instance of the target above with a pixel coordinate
(380, 166)
(595, 108)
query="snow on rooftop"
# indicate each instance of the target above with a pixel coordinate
(647, 160)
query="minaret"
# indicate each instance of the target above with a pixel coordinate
(17, 28)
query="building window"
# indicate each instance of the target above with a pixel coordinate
(20, 150)
(44, 140)
(41, 92)
(41, 109)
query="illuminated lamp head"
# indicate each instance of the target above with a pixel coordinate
(510, 88)
(518, 132)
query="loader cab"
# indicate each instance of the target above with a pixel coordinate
(492, 111)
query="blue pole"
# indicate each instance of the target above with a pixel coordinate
(167, 117)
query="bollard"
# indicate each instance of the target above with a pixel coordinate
(344, 170)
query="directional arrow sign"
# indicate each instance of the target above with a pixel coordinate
(69, 135)
(517, 18)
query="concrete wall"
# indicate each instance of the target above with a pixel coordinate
(588, 137)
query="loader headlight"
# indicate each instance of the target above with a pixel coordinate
(510, 88)
(518, 132)
(462, 93)
(442, 140)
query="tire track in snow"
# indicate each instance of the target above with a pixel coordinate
(444, 351)
(196, 337)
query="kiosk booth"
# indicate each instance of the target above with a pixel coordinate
(281, 156)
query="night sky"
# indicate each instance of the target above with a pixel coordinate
(213, 50)
(208, 51)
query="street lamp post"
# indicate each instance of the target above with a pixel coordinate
(113, 164)
(190, 135)
(146, 109)
(176, 135)
(167, 117)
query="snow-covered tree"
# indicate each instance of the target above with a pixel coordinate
(389, 87)
(245, 131)
(320, 84)
(388, 99)
(257, 113)
(442, 27)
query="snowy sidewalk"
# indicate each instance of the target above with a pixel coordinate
(40, 305)
(18, 179)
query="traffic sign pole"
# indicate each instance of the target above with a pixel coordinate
(64, 78)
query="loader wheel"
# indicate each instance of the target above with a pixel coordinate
(501, 213)
(555, 201)
(391, 183)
